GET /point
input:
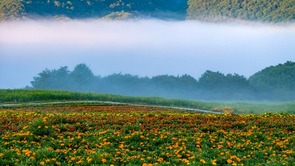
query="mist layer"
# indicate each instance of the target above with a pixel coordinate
(142, 47)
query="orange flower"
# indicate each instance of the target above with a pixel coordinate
(229, 161)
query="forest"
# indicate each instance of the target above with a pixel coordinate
(266, 11)
(204, 10)
(272, 83)
(175, 9)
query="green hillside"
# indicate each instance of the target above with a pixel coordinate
(262, 10)
(175, 9)
(213, 10)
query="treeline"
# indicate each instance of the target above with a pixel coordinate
(272, 83)
(99, 8)
(262, 10)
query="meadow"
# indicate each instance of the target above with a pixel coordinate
(66, 128)
(141, 135)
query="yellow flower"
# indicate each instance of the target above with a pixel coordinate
(103, 160)
(202, 161)
(79, 162)
(88, 159)
(160, 159)
(145, 164)
(42, 163)
(185, 161)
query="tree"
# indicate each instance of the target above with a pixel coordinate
(81, 77)
(43, 80)
(276, 81)
(212, 80)
(52, 79)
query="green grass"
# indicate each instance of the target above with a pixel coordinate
(24, 96)
(262, 107)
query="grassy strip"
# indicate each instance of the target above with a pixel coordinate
(20, 96)
(23, 96)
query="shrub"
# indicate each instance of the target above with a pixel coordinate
(40, 127)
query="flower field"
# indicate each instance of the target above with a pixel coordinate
(130, 135)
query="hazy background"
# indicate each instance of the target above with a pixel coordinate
(142, 47)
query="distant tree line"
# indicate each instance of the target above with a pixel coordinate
(272, 83)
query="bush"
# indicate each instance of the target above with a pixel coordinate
(40, 127)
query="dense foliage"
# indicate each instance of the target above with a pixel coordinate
(124, 135)
(271, 83)
(11, 9)
(269, 11)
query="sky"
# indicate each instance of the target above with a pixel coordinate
(140, 47)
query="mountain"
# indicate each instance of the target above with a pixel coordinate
(174, 9)
(273, 11)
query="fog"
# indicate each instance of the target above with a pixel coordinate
(140, 47)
